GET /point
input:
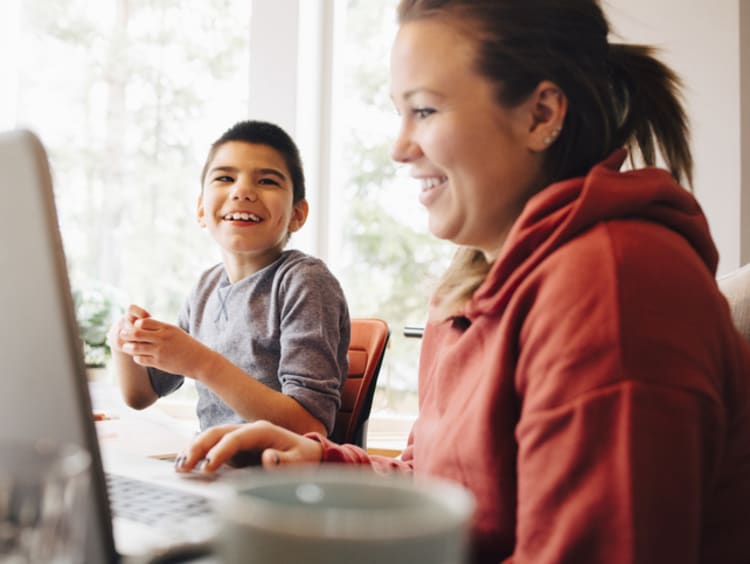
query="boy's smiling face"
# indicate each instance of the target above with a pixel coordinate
(246, 205)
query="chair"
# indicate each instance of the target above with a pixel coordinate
(366, 350)
(736, 288)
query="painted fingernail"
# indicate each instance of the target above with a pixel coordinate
(203, 463)
(179, 461)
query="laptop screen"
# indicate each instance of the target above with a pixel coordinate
(44, 388)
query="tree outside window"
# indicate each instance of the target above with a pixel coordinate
(388, 262)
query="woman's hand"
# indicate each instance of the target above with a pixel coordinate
(230, 443)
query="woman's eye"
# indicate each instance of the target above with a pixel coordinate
(422, 113)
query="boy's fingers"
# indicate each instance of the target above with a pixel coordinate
(138, 334)
(143, 360)
(148, 323)
(139, 347)
(136, 312)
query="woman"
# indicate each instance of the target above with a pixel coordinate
(580, 371)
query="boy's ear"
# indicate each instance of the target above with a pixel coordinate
(299, 215)
(201, 212)
(548, 106)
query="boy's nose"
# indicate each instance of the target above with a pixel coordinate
(244, 191)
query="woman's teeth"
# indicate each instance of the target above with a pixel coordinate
(429, 183)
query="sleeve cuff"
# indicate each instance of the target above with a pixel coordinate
(336, 453)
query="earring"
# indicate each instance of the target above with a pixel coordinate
(551, 136)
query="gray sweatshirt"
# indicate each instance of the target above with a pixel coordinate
(286, 325)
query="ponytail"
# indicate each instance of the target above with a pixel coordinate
(618, 95)
(649, 111)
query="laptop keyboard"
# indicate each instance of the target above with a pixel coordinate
(153, 504)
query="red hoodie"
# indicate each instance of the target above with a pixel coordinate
(595, 394)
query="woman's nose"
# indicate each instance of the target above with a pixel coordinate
(404, 149)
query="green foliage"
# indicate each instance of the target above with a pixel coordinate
(97, 308)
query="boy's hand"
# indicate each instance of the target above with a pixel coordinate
(164, 346)
(125, 323)
(223, 443)
(134, 382)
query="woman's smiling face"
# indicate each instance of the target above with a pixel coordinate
(469, 153)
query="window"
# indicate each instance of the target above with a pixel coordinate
(127, 96)
(386, 259)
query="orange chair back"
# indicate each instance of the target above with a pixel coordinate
(369, 337)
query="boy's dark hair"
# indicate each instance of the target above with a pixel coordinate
(271, 135)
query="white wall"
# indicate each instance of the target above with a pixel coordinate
(744, 23)
(274, 63)
(700, 40)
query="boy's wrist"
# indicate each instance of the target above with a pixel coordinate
(207, 366)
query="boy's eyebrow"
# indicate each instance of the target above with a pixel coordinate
(221, 169)
(271, 171)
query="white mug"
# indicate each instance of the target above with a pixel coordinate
(337, 515)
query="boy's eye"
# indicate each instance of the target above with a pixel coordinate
(422, 113)
(268, 181)
(224, 178)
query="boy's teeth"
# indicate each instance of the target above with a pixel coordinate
(242, 217)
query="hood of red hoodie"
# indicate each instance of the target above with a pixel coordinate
(565, 209)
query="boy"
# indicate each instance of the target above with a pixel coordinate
(265, 333)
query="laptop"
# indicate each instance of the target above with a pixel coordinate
(44, 390)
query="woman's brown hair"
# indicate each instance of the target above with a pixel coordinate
(618, 95)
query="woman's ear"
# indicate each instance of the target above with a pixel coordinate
(201, 212)
(548, 105)
(299, 215)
